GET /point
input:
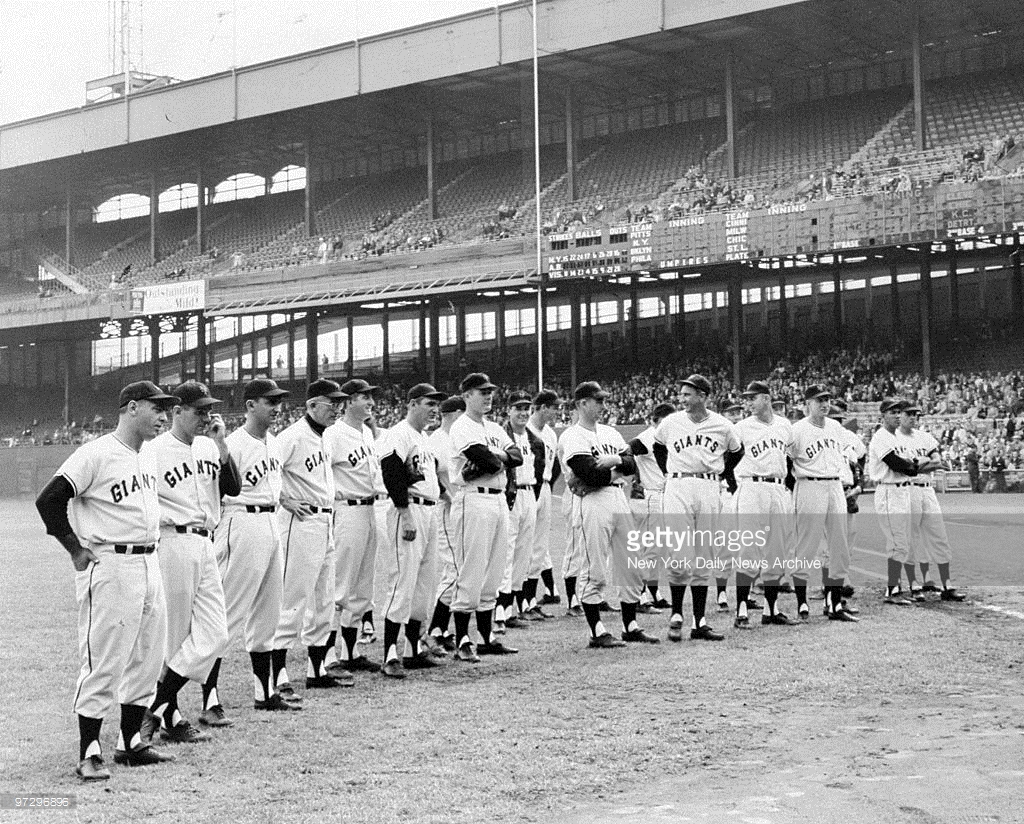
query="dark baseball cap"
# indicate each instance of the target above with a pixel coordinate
(546, 397)
(144, 391)
(734, 407)
(476, 380)
(816, 390)
(912, 407)
(756, 388)
(194, 394)
(662, 410)
(589, 389)
(453, 404)
(357, 386)
(263, 388)
(425, 390)
(325, 388)
(839, 404)
(698, 382)
(519, 398)
(893, 405)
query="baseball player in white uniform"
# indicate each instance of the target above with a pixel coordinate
(512, 604)
(248, 543)
(111, 536)
(572, 555)
(928, 539)
(304, 522)
(733, 412)
(819, 459)
(482, 452)
(545, 412)
(651, 457)
(763, 503)
(597, 462)
(440, 639)
(351, 445)
(701, 445)
(409, 470)
(193, 471)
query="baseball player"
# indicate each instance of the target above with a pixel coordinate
(819, 503)
(409, 470)
(928, 538)
(248, 544)
(852, 477)
(522, 518)
(194, 469)
(597, 461)
(573, 554)
(733, 413)
(701, 445)
(482, 452)
(304, 521)
(111, 536)
(651, 458)
(350, 443)
(763, 502)
(545, 412)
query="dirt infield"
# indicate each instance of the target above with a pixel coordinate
(914, 715)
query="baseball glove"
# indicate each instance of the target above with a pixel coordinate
(412, 466)
(580, 489)
(471, 472)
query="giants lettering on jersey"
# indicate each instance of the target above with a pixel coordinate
(759, 448)
(313, 461)
(125, 487)
(606, 448)
(821, 445)
(260, 471)
(355, 457)
(179, 473)
(696, 440)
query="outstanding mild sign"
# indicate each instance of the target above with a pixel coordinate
(169, 298)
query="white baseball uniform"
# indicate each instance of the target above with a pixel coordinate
(570, 515)
(541, 557)
(248, 544)
(892, 496)
(122, 616)
(410, 567)
(647, 511)
(440, 443)
(696, 459)
(522, 519)
(188, 485)
(356, 470)
(479, 518)
(602, 518)
(854, 451)
(818, 454)
(929, 542)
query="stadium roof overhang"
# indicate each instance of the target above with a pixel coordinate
(468, 74)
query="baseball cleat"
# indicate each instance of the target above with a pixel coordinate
(495, 648)
(804, 612)
(150, 726)
(778, 619)
(418, 662)
(517, 622)
(541, 614)
(550, 599)
(215, 717)
(604, 606)
(741, 622)
(574, 612)
(705, 633)
(467, 653)
(927, 586)
(330, 681)
(528, 615)
(276, 704)
(842, 615)
(952, 595)
(141, 756)
(92, 769)
(917, 595)
(359, 664)
(752, 604)
(648, 609)
(638, 636)
(897, 599)
(393, 669)
(605, 641)
(675, 629)
(661, 603)
(499, 628)
(448, 642)
(288, 693)
(184, 733)
(849, 609)
(432, 646)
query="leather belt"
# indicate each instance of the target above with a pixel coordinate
(254, 508)
(923, 485)
(708, 476)
(415, 499)
(193, 530)
(129, 549)
(360, 501)
(830, 478)
(762, 479)
(895, 483)
(524, 486)
(483, 490)
(325, 509)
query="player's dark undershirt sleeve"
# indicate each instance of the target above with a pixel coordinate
(586, 469)
(661, 456)
(790, 477)
(732, 460)
(487, 461)
(230, 482)
(52, 505)
(556, 471)
(628, 465)
(396, 479)
(898, 464)
(637, 447)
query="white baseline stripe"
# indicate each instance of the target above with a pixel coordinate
(877, 575)
(870, 552)
(1002, 611)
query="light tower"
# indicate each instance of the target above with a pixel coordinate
(124, 54)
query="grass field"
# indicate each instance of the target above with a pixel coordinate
(913, 715)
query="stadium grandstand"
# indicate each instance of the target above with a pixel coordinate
(824, 190)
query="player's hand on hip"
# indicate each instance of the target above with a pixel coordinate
(299, 509)
(82, 557)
